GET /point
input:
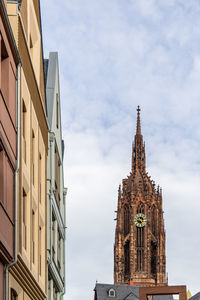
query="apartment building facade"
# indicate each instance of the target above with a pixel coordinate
(27, 277)
(56, 192)
(9, 66)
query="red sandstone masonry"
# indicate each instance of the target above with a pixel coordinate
(145, 264)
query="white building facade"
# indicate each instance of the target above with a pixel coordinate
(56, 192)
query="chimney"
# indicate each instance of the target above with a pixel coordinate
(130, 281)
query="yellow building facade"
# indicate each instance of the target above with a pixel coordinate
(27, 276)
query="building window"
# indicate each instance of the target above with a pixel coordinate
(54, 292)
(40, 250)
(153, 220)
(53, 236)
(49, 288)
(24, 219)
(140, 208)
(33, 236)
(6, 180)
(40, 177)
(23, 120)
(4, 71)
(24, 125)
(111, 293)
(57, 178)
(13, 295)
(33, 157)
(57, 111)
(1, 174)
(153, 258)
(140, 242)
(59, 251)
(127, 258)
(140, 259)
(31, 47)
(126, 220)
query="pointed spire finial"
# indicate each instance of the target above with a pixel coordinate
(138, 131)
(138, 152)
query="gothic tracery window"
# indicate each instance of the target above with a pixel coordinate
(153, 220)
(140, 208)
(126, 220)
(153, 258)
(140, 242)
(127, 258)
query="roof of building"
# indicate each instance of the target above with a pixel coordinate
(196, 296)
(46, 63)
(122, 292)
(50, 73)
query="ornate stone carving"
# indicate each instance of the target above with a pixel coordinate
(142, 249)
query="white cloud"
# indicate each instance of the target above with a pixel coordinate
(114, 55)
(147, 8)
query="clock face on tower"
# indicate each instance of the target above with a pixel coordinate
(140, 220)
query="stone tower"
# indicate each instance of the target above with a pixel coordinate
(139, 250)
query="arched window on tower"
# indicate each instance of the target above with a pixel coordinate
(153, 220)
(126, 220)
(140, 242)
(140, 208)
(127, 258)
(153, 258)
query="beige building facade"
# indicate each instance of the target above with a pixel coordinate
(27, 276)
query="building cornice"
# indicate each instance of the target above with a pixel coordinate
(57, 215)
(55, 274)
(23, 275)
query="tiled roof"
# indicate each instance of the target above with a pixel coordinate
(195, 297)
(123, 292)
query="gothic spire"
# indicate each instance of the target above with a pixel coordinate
(138, 152)
(139, 250)
(138, 131)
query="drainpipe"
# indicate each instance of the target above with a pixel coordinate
(16, 178)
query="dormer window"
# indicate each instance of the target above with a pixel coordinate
(111, 293)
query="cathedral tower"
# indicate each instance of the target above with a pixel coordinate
(139, 250)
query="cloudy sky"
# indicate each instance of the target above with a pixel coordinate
(115, 55)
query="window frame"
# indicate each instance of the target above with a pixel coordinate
(111, 293)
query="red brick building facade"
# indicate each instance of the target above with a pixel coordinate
(139, 251)
(8, 141)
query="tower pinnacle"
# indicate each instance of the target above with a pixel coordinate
(139, 250)
(138, 152)
(138, 130)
